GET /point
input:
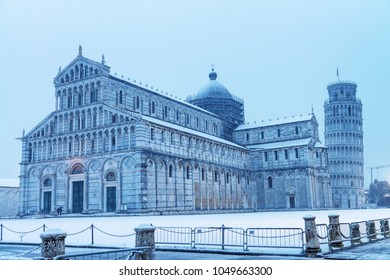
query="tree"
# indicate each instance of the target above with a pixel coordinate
(378, 191)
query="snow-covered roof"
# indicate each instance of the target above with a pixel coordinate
(9, 182)
(282, 144)
(319, 145)
(278, 121)
(191, 131)
(166, 95)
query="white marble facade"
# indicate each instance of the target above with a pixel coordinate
(112, 145)
(344, 139)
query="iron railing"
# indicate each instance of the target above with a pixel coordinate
(223, 238)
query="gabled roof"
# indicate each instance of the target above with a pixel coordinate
(80, 59)
(279, 121)
(191, 131)
(282, 144)
(287, 144)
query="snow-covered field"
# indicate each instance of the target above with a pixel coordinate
(115, 231)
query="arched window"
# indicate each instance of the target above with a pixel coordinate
(203, 174)
(77, 169)
(111, 176)
(69, 101)
(188, 172)
(80, 99)
(47, 182)
(270, 182)
(120, 97)
(170, 172)
(93, 96)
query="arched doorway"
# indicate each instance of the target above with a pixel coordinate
(47, 196)
(110, 192)
(76, 182)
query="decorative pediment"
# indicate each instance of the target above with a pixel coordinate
(81, 68)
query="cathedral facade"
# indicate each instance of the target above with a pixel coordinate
(112, 145)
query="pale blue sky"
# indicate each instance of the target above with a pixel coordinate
(277, 55)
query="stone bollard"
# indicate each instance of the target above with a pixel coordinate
(371, 230)
(312, 243)
(53, 243)
(355, 234)
(145, 238)
(385, 227)
(335, 238)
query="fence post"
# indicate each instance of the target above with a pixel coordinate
(355, 234)
(385, 227)
(145, 238)
(92, 235)
(223, 236)
(312, 243)
(371, 230)
(335, 239)
(193, 232)
(53, 243)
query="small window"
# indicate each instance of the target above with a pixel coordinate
(270, 182)
(247, 136)
(276, 155)
(47, 182)
(152, 134)
(296, 152)
(113, 141)
(278, 131)
(111, 176)
(296, 130)
(120, 97)
(170, 171)
(78, 169)
(286, 154)
(203, 174)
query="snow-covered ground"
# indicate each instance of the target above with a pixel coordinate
(115, 230)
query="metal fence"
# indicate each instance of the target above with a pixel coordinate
(223, 238)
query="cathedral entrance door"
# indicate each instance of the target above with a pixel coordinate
(111, 199)
(78, 197)
(46, 202)
(292, 201)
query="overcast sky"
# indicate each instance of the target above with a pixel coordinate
(279, 56)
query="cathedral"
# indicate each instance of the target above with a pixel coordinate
(114, 146)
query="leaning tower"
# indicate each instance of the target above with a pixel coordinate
(344, 139)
